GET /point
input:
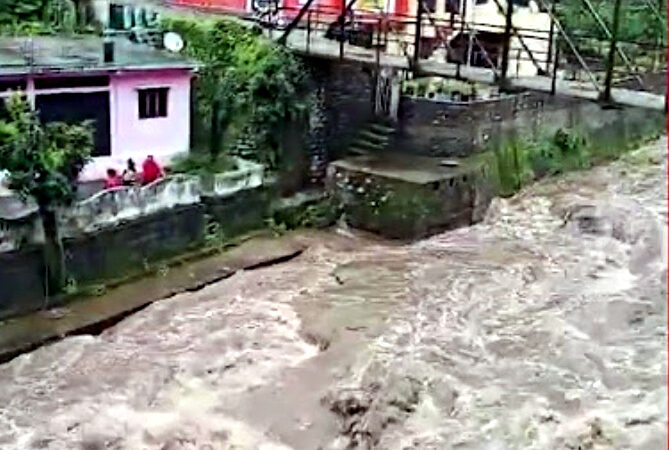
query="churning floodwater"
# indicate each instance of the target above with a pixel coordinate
(542, 328)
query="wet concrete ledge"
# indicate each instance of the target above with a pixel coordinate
(92, 315)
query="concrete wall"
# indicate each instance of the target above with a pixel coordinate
(241, 212)
(21, 281)
(112, 207)
(445, 129)
(128, 247)
(248, 175)
(118, 232)
(401, 209)
(103, 255)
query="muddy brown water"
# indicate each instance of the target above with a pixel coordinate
(542, 328)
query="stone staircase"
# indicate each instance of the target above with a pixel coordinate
(377, 136)
(245, 145)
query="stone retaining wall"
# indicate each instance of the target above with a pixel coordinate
(344, 94)
(405, 209)
(444, 129)
(130, 246)
(102, 255)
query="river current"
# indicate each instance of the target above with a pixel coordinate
(544, 327)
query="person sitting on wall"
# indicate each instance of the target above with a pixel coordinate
(113, 179)
(130, 175)
(151, 171)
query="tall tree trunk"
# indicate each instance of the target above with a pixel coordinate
(54, 256)
(215, 130)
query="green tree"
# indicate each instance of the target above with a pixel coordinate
(31, 17)
(60, 15)
(642, 22)
(20, 9)
(43, 162)
(246, 84)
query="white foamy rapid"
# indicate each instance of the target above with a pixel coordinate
(542, 328)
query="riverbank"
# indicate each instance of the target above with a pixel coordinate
(92, 314)
(551, 314)
(89, 312)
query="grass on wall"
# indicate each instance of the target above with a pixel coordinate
(519, 161)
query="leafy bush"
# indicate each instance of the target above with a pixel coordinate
(40, 17)
(321, 213)
(201, 164)
(638, 24)
(519, 161)
(43, 162)
(514, 165)
(246, 83)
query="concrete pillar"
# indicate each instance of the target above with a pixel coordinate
(395, 93)
(101, 11)
(30, 90)
(387, 93)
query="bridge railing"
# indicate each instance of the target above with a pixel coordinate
(508, 48)
(368, 32)
(548, 52)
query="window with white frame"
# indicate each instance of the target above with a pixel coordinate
(153, 103)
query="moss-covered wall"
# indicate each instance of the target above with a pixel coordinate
(130, 248)
(400, 209)
(241, 212)
(445, 129)
(557, 136)
(21, 275)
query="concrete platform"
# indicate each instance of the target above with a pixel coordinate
(403, 196)
(408, 168)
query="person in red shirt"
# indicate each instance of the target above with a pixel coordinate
(113, 179)
(151, 171)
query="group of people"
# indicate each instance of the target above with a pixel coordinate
(151, 171)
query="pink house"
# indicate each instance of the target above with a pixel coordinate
(139, 97)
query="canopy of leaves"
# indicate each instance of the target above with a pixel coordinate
(28, 17)
(43, 161)
(258, 85)
(21, 9)
(642, 21)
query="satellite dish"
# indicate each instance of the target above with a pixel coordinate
(173, 42)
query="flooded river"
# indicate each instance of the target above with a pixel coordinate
(542, 328)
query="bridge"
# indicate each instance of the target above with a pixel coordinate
(506, 46)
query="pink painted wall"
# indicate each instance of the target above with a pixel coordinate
(132, 137)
